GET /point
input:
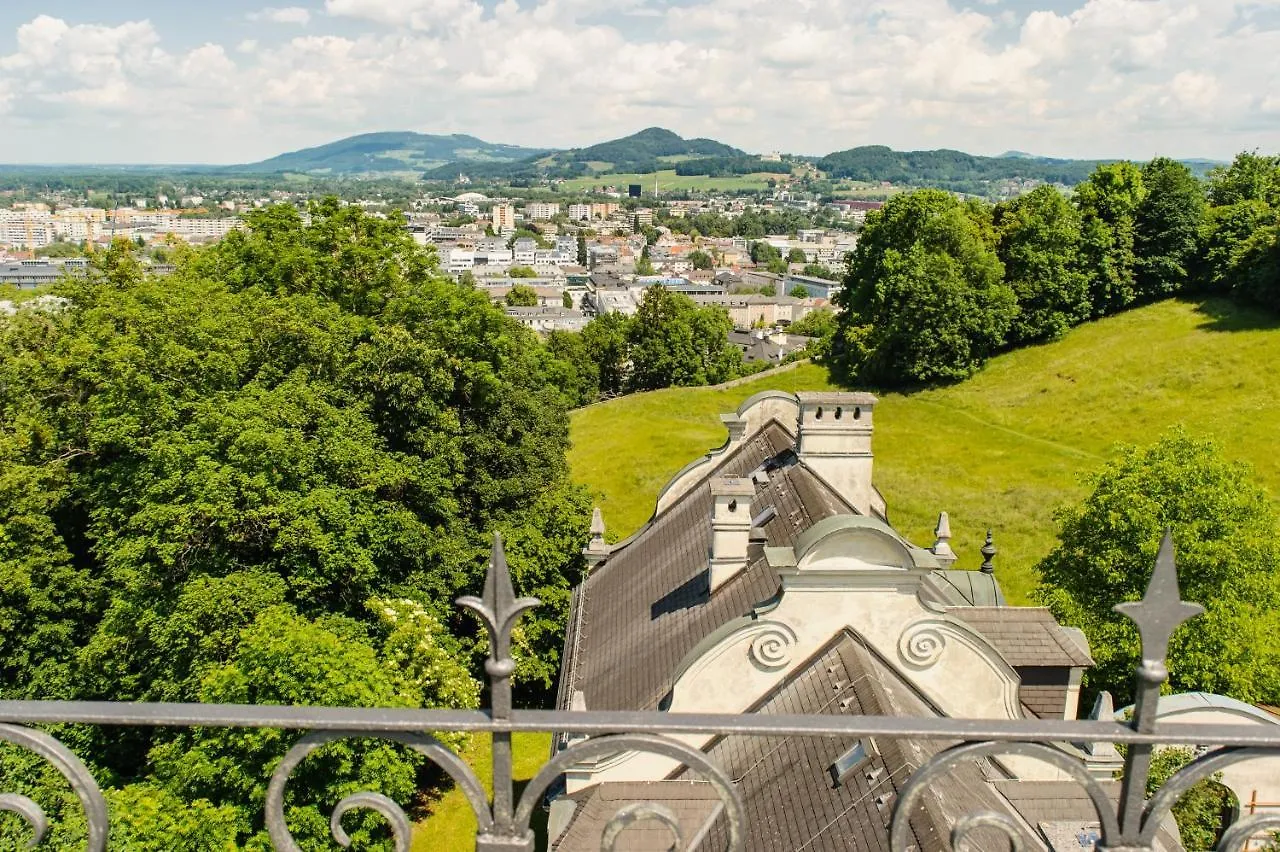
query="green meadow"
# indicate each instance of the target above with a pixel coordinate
(1001, 450)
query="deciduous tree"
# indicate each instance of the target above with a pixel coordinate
(924, 299)
(1040, 236)
(1224, 531)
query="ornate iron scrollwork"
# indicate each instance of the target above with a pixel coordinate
(504, 824)
(77, 775)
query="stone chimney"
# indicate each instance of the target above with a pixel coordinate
(597, 550)
(730, 527)
(835, 442)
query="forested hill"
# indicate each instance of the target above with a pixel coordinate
(642, 152)
(956, 170)
(389, 152)
(649, 144)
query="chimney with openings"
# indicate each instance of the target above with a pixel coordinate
(835, 443)
(730, 527)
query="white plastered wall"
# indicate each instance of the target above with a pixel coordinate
(860, 579)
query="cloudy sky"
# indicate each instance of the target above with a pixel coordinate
(235, 81)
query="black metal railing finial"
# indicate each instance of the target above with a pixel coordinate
(499, 610)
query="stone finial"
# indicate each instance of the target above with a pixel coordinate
(1104, 708)
(597, 549)
(1103, 711)
(942, 547)
(737, 426)
(988, 551)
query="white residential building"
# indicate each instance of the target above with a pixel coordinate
(26, 228)
(540, 210)
(580, 212)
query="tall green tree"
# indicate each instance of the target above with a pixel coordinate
(674, 342)
(606, 340)
(1108, 203)
(1040, 238)
(1224, 529)
(582, 250)
(644, 266)
(700, 259)
(522, 295)
(304, 418)
(924, 299)
(1227, 252)
(1250, 177)
(1257, 267)
(1167, 228)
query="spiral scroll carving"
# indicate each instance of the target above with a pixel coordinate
(772, 647)
(71, 768)
(922, 645)
(427, 746)
(1237, 837)
(966, 825)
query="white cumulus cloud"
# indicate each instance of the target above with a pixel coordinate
(1111, 78)
(283, 15)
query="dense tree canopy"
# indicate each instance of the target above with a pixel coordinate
(674, 342)
(1224, 532)
(280, 462)
(1167, 228)
(1040, 235)
(924, 298)
(1108, 203)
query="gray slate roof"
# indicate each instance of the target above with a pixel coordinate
(638, 614)
(1024, 635)
(693, 803)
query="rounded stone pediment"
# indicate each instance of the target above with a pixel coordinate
(853, 541)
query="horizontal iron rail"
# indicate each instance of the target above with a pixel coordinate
(374, 720)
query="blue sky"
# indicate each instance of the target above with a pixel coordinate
(236, 81)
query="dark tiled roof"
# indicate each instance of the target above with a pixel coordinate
(1041, 802)
(638, 614)
(693, 803)
(786, 783)
(1024, 635)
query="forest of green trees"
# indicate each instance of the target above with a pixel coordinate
(264, 479)
(937, 285)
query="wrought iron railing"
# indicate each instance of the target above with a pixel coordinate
(1126, 825)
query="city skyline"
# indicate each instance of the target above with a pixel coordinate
(143, 82)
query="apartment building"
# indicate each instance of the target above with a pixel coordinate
(579, 212)
(504, 218)
(536, 211)
(26, 228)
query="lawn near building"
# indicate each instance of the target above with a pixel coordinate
(1001, 450)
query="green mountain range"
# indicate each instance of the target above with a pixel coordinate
(389, 152)
(648, 151)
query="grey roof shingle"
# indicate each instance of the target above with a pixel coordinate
(692, 802)
(639, 613)
(786, 784)
(1024, 635)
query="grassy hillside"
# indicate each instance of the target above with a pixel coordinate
(1002, 449)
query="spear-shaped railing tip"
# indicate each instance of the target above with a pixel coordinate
(1162, 609)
